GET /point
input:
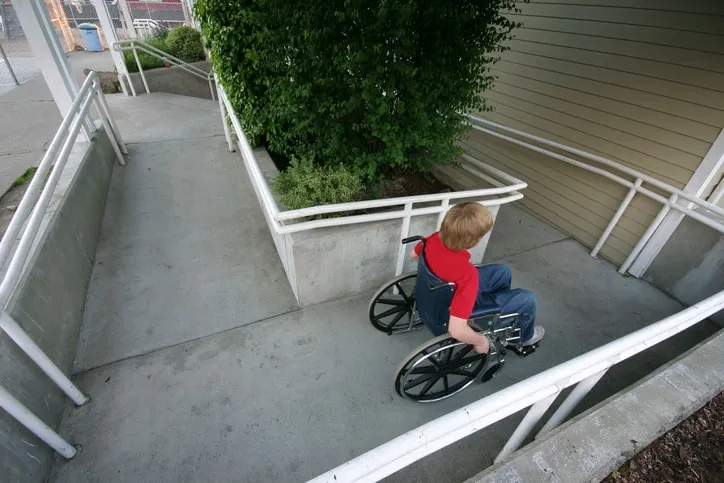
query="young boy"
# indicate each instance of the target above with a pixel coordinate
(447, 256)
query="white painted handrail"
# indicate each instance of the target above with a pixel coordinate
(536, 392)
(26, 224)
(709, 214)
(136, 45)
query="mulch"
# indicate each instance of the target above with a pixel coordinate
(406, 183)
(691, 452)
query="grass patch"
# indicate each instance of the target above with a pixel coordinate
(25, 178)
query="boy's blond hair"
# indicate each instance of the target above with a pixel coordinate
(465, 225)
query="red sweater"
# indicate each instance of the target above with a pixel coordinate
(453, 266)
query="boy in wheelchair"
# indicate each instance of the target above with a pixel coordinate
(446, 255)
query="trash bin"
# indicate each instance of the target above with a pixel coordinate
(89, 34)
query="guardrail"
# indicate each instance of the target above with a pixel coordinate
(136, 45)
(506, 190)
(537, 393)
(25, 224)
(635, 185)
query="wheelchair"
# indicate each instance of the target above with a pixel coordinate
(442, 366)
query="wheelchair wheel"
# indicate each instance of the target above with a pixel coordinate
(392, 307)
(438, 369)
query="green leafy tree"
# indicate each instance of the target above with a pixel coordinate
(359, 82)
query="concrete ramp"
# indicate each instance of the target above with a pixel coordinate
(184, 250)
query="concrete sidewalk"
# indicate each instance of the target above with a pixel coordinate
(217, 398)
(29, 117)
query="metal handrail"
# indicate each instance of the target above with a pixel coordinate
(635, 186)
(136, 45)
(537, 393)
(26, 224)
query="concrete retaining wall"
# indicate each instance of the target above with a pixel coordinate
(49, 302)
(592, 445)
(690, 267)
(175, 80)
(330, 263)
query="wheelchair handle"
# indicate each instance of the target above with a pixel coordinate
(411, 239)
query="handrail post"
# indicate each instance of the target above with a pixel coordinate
(224, 120)
(211, 88)
(648, 234)
(531, 418)
(404, 233)
(29, 347)
(616, 217)
(140, 67)
(105, 111)
(444, 205)
(571, 401)
(4, 58)
(112, 135)
(128, 74)
(33, 423)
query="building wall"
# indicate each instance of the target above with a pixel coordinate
(640, 82)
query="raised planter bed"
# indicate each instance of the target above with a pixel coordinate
(359, 248)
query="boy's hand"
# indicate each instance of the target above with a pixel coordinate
(413, 256)
(483, 347)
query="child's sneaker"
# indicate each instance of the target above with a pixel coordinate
(538, 333)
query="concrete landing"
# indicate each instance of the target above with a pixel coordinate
(160, 117)
(293, 396)
(516, 231)
(184, 250)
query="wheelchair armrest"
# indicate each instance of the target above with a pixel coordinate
(485, 305)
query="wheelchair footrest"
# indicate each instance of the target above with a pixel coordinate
(524, 351)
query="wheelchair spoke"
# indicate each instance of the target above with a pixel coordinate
(397, 319)
(433, 360)
(463, 351)
(424, 370)
(391, 302)
(402, 292)
(393, 310)
(428, 386)
(416, 382)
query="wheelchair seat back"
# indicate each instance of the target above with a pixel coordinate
(432, 297)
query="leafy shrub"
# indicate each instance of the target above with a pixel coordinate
(305, 184)
(363, 83)
(147, 61)
(185, 43)
(158, 35)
